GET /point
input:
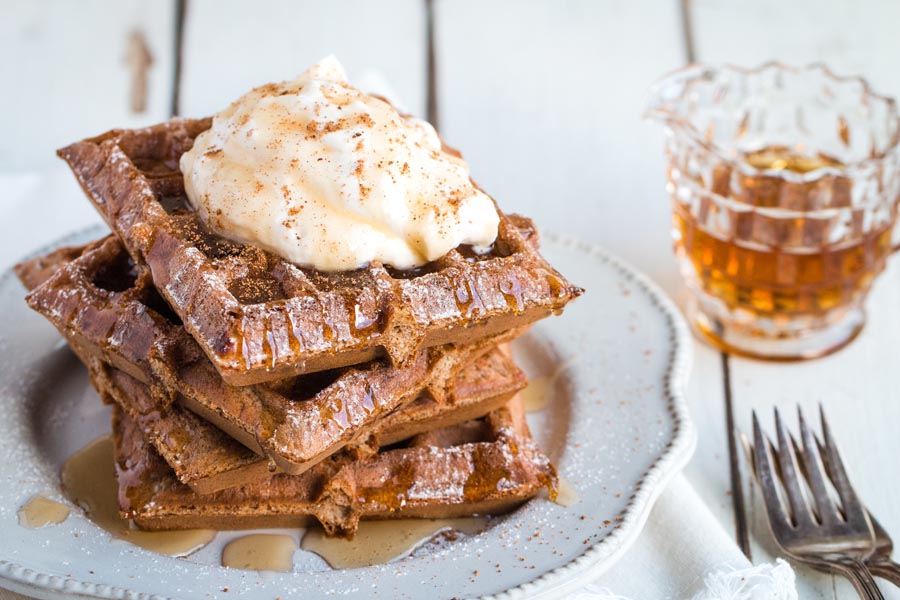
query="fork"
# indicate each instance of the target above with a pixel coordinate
(819, 533)
(880, 563)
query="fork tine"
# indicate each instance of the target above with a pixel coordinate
(765, 474)
(790, 477)
(748, 450)
(815, 474)
(850, 503)
(881, 535)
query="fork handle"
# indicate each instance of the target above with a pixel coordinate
(865, 586)
(859, 573)
(886, 569)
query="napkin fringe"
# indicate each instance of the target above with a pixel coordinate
(761, 582)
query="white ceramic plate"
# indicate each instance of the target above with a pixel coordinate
(617, 426)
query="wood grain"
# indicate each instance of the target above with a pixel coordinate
(859, 389)
(230, 47)
(545, 99)
(66, 75)
(858, 386)
(854, 38)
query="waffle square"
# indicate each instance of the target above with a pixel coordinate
(108, 308)
(484, 466)
(259, 318)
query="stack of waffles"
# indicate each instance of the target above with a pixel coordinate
(248, 391)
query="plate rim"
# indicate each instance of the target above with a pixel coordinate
(599, 557)
(595, 559)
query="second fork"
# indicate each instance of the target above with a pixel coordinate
(815, 531)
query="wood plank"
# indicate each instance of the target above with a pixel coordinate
(548, 116)
(67, 76)
(854, 38)
(545, 100)
(40, 208)
(856, 386)
(708, 471)
(232, 47)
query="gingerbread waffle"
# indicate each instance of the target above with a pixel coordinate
(108, 307)
(259, 318)
(37, 270)
(484, 466)
(200, 454)
(207, 459)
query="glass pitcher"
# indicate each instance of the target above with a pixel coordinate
(785, 185)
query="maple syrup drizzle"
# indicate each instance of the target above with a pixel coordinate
(565, 494)
(243, 345)
(41, 511)
(89, 480)
(512, 292)
(536, 396)
(260, 552)
(468, 300)
(370, 401)
(362, 324)
(379, 542)
(293, 340)
(539, 392)
(269, 344)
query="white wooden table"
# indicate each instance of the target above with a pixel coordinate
(545, 100)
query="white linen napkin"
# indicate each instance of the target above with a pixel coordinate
(683, 552)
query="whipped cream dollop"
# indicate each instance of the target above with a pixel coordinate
(326, 176)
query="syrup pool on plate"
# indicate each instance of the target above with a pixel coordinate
(41, 511)
(89, 480)
(379, 542)
(260, 552)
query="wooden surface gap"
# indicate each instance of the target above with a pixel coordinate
(741, 532)
(431, 95)
(687, 31)
(180, 12)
